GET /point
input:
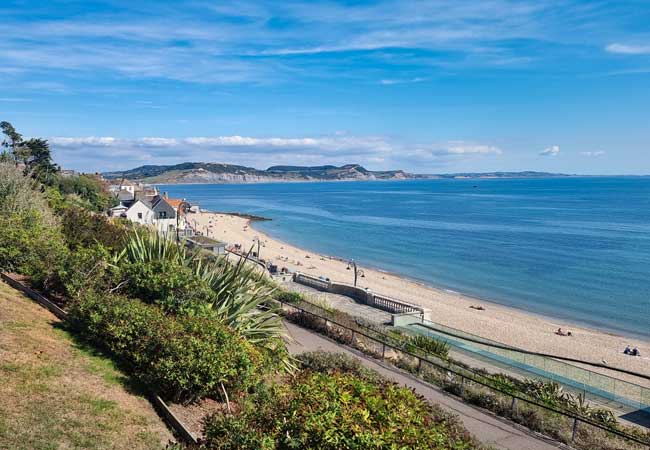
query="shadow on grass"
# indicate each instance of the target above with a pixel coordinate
(101, 362)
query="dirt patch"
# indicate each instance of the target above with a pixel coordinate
(192, 415)
(57, 392)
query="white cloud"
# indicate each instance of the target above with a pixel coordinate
(90, 141)
(551, 151)
(400, 81)
(628, 49)
(595, 154)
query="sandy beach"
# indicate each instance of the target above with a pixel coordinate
(508, 325)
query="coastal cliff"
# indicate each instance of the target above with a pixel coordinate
(215, 173)
(229, 173)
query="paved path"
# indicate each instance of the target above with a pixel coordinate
(489, 429)
(340, 302)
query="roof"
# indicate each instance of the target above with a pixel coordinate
(144, 202)
(204, 240)
(125, 195)
(120, 206)
(126, 182)
(174, 202)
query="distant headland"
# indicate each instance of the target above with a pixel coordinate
(199, 172)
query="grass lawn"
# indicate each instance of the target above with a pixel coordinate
(58, 393)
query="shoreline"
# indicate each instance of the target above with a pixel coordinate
(442, 290)
(502, 323)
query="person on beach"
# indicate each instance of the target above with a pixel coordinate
(627, 350)
(636, 352)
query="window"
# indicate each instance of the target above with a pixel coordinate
(139, 215)
(162, 215)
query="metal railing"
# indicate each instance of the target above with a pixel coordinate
(464, 374)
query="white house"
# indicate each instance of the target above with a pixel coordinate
(140, 212)
(169, 214)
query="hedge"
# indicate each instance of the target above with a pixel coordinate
(332, 411)
(182, 358)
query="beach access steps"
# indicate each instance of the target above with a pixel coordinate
(397, 308)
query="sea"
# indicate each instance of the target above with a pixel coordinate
(575, 249)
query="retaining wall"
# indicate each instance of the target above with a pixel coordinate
(364, 296)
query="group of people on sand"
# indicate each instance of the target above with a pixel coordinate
(632, 352)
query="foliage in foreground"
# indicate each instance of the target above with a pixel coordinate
(333, 411)
(159, 271)
(184, 357)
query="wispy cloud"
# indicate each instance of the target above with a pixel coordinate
(15, 99)
(401, 81)
(257, 41)
(594, 153)
(628, 49)
(550, 151)
(377, 151)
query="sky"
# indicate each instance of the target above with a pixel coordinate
(427, 86)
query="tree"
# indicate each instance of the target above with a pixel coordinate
(13, 139)
(38, 160)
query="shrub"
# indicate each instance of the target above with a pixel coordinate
(288, 297)
(173, 286)
(334, 411)
(31, 246)
(87, 269)
(326, 362)
(184, 358)
(83, 228)
(88, 191)
(429, 345)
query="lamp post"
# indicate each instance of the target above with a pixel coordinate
(354, 267)
(257, 238)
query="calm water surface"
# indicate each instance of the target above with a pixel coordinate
(576, 248)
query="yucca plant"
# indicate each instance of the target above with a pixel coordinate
(241, 297)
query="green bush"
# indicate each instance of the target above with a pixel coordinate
(83, 228)
(428, 344)
(85, 190)
(183, 358)
(288, 297)
(87, 269)
(334, 411)
(173, 286)
(327, 362)
(31, 246)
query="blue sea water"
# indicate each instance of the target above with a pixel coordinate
(572, 248)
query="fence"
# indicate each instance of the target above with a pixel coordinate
(573, 428)
(593, 385)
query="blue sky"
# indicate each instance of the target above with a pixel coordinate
(426, 86)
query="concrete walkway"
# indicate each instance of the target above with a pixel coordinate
(490, 430)
(340, 302)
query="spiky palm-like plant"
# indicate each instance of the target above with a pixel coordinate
(241, 296)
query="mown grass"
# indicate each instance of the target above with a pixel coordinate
(58, 393)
